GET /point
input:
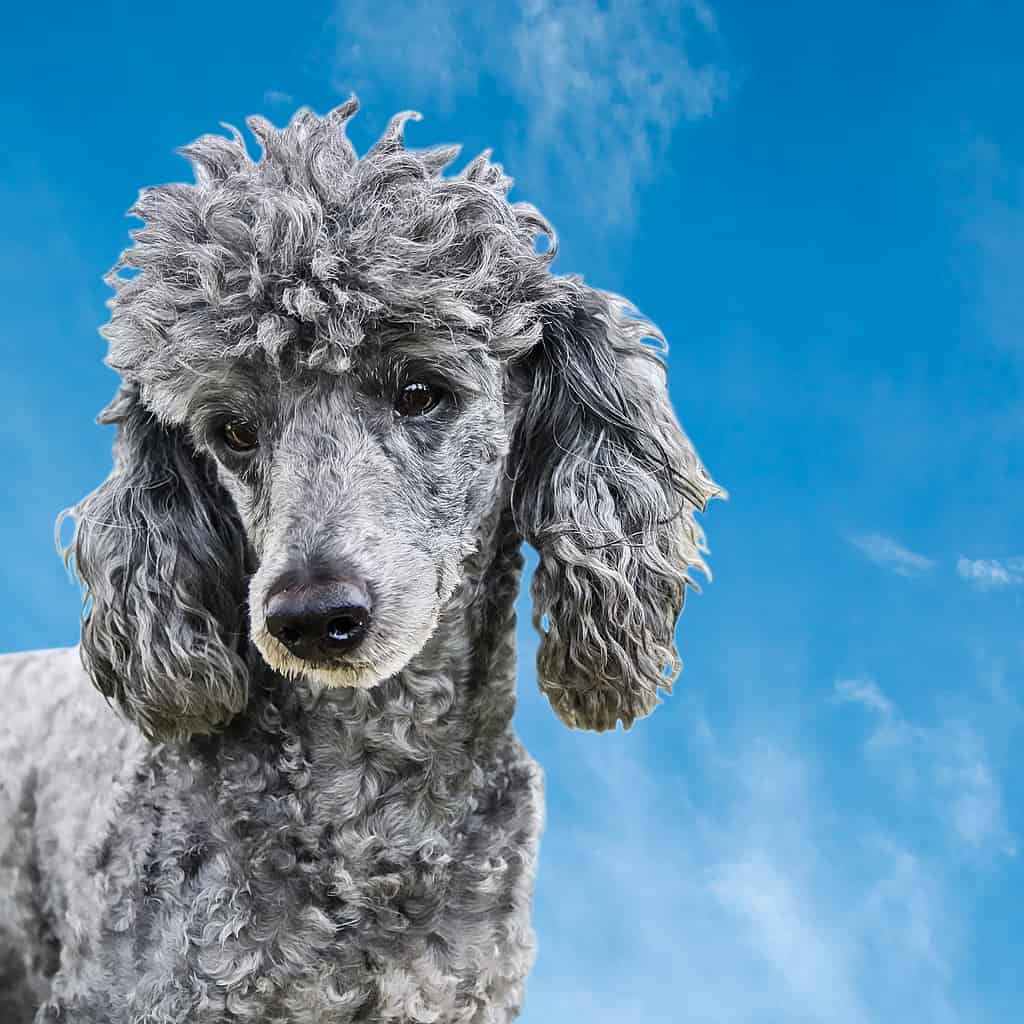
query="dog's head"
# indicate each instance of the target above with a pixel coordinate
(332, 369)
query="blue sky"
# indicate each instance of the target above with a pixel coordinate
(823, 209)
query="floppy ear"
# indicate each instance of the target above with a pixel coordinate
(160, 552)
(605, 488)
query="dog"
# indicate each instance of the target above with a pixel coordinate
(350, 390)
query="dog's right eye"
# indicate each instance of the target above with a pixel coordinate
(417, 399)
(240, 435)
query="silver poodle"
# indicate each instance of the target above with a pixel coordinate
(351, 388)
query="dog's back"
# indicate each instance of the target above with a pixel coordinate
(61, 748)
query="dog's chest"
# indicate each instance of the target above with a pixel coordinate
(274, 904)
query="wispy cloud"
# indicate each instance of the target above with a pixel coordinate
(976, 803)
(779, 921)
(994, 227)
(601, 86)
(991, 572)
(946, 765)
(890, 554)
(866, 692)
(277, 98)
(741, 899)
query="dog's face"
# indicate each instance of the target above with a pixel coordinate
(360, 491)
(333, 370)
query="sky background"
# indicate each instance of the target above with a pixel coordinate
(822, 206)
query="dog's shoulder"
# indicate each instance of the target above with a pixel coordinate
(32, 685)
(60, 667)
(49, 708)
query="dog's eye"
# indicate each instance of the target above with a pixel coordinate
(240, 435)
(416, 399)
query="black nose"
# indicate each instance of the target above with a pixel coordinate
(318, 619)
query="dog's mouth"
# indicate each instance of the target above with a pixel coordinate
(336, 671)
(375, 661)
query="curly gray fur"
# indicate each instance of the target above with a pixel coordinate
(267, 840)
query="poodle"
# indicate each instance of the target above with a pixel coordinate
(350, 389)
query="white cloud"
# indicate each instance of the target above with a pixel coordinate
(749, 896)
(946, 765)
(777, 917)
(991, 572)
(866, 692)
(277, 98)
(909, 934)
(603, 85)
(965, 775)
(994, 227)
(890, 554)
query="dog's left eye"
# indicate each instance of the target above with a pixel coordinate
(240, 435)
(417, 399)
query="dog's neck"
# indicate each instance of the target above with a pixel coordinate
(483, 612)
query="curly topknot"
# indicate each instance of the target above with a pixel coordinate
(311, 241)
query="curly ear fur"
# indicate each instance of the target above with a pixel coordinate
(160, 553)
(605, 487)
